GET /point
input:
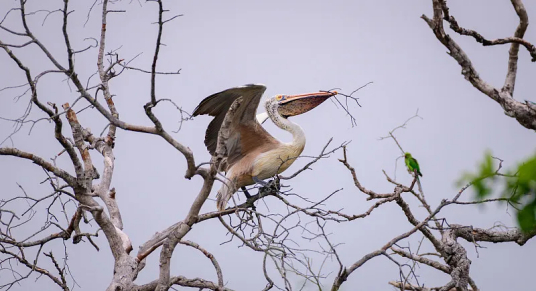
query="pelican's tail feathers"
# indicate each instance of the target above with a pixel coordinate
(224, 195)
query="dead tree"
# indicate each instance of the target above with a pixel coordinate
(82, 191)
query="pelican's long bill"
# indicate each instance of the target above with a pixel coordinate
(291, 105)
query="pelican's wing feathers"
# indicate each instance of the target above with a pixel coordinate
(246, 134)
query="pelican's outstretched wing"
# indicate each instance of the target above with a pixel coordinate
(246, 134)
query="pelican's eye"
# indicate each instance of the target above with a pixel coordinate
(279, 97)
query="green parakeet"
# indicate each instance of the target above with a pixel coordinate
(413, 167)
(412, 164)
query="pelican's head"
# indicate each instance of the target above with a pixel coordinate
(291, 105)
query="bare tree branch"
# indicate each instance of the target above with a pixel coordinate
(41, 162)
(522, 112)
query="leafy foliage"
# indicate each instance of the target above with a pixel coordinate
(519, 186)
(523, 190)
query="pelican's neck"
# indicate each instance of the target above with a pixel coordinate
(298, 136)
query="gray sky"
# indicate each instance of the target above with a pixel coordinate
(291, 47)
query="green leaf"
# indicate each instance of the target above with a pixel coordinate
(519, 187)
(482, 180)
(526, 217)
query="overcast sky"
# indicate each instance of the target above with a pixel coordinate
(292, 47)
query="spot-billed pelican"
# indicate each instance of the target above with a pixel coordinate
(252, 153)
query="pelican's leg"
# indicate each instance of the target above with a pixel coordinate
(259, 181)
(248, 197)
(246, 192)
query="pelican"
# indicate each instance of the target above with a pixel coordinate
(252, 153)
